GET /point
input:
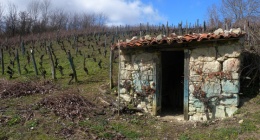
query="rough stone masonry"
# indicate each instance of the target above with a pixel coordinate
(214, 69)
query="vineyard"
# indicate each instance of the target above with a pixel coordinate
(55, 85)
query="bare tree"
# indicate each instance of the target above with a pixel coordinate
(33, 9)
(11, 20)
(45, 12)
(25, 22)
(238, 10)
(58, 19)
(1, 18)
(213, 18)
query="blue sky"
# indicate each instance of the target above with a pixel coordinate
(133, 12)
(176, 11)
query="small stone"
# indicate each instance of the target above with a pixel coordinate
(240, 121)
(218, 31)
(126, 97)
(231, 64)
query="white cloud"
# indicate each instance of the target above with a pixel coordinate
(118, 11)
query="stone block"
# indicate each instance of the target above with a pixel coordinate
(191, 89)
(213, 66)
(191, 113)
(195, 67)
(122, 65)
(198, 104)
(235, 75)
(229, 51)
(220, 112)
(192, 109)
(231, 65)
(195, 78)
(211, 88)
(231, 110)
(234, 101)
(125, 58)
(221, 58)
(201, 110)
(122, 91)
(125, 74)
(206, 54)
(136, 67)
(150, 77)
(129, 67)
(198, 117)
(230, 86)
(126, 97)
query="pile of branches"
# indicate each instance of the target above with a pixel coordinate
(17, 89)
(69, 106)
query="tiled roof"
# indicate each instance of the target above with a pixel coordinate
(147, 41)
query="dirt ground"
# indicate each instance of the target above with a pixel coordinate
(46, 111)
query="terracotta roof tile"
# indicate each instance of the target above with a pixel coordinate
(173, 38)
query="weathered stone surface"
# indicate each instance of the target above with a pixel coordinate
(195, 78)
(220, 112)
(198, 104)
(191, 90)
(234, 101)
(231, 110)
(129, 67)
(136, 67)
(125, 58)
(144, 57)
(213, 66)
(122, 65)
(192, 109)
(218, 31)
(196, 67)
(191, 113)
(125, 74)
(198, 117)
(211, 88)
(203, 54)
(235, 75)
(232, 64)
(122, 91)
(126, 97)
(201, 109)
(230, 86)
(229, 51)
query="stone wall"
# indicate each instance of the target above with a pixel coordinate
(137, 78)
(214, 71)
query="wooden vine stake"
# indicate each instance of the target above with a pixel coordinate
(34, 62)
(111, 68)
(2, 61)
(18, 61)
(72, 66)
(53, 70)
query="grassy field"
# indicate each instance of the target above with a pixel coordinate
(32, 107)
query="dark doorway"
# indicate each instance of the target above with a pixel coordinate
(172, 82)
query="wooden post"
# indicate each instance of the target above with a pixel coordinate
(72, 66)
(34, 62)
(22, 48)
(53, 70)
(2, 61)
(18, 61)
(111, 68)
(119, 77)
(186, 84)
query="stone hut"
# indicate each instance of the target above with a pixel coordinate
(196, 75)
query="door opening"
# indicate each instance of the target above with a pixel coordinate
(172, 82)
